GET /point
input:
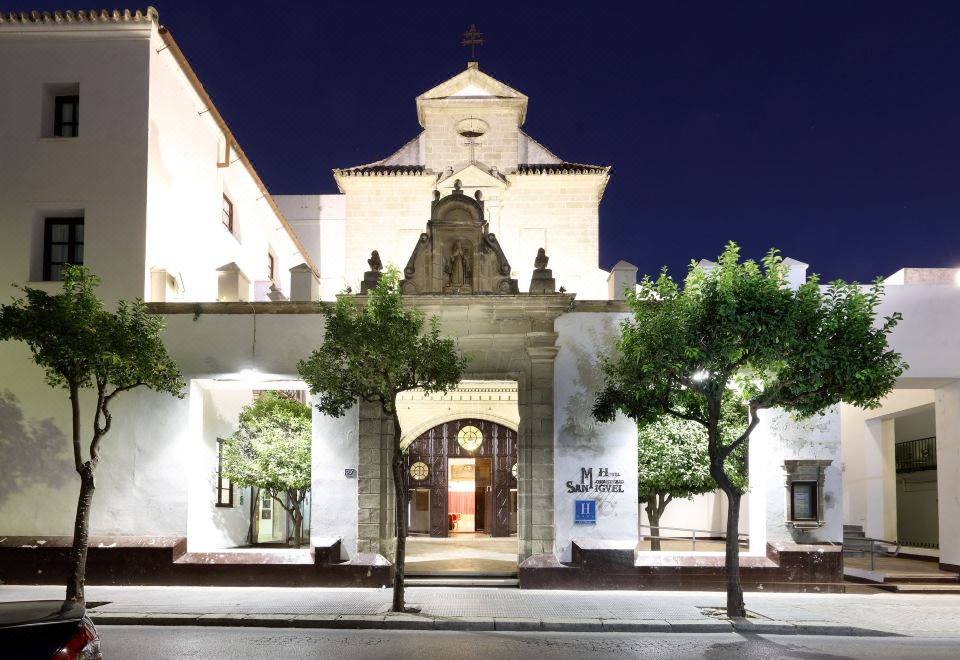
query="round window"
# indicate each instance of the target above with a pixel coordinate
(470, 438)
(419, 471)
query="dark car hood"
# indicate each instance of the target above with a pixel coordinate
(29, 612)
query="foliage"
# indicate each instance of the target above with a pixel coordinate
(271, 448)
(739, 327)
(271, 451)
(81, 345)
(673, 459)
(372, 352)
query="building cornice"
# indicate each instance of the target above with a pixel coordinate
(69, 17)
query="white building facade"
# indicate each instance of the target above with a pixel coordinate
(116, 158)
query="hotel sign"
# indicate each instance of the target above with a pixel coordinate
(604, 482)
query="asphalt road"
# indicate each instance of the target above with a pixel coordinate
(212, 643)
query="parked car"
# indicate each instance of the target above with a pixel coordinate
(48, 629)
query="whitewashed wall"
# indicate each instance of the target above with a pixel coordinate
(101, 175)
(777, 438)
(320, 222)
(583, 443)
(185, 188)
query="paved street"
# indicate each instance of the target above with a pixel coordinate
(922, 615)
(292, 644)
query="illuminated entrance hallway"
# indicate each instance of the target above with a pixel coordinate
(461, 476)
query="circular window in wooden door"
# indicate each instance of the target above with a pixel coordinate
(419, 471)
(470, 438)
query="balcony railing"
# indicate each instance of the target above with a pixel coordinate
(916, 455)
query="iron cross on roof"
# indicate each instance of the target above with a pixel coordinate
(473, 38)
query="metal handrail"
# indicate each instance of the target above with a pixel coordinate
(743, 538)
(870, 545)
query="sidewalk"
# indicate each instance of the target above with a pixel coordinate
(515, 610)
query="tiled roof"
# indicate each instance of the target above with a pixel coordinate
(383, 170)
(67, 17)
(561, 168)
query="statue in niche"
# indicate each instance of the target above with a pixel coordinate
(458, 267)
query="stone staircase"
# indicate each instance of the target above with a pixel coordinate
(853, 538)
(912, 577)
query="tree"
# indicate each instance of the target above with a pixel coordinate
(672, 461)
(80, 345)
(271, 451)
(372, 352)
(739, 327)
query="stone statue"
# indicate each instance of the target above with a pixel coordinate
(374, 261)
(456, 267)
(542, 259)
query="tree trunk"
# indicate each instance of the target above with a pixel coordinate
(400, 495)
(81, 534)
(653, 515)
(297, 526)
(735, 606)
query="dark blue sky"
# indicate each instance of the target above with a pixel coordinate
(828, 129)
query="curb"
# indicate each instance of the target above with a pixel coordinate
(489, 624)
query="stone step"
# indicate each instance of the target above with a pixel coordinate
(920, 588)
(921, 578)
(853, 528)
(497, 583)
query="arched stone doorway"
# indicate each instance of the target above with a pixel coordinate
(462, 475)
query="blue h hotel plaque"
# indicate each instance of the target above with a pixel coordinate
(585, 512)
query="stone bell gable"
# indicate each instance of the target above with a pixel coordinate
(457, 254)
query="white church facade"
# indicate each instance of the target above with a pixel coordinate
(116, 157)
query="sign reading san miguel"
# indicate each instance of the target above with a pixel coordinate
(605, 482)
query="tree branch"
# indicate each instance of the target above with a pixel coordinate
(754, 420)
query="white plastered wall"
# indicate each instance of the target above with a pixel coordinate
(581, 443)
(100, 175)
(185, 232)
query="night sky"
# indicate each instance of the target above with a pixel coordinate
(830, 130)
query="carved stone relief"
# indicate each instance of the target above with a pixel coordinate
(457, 254)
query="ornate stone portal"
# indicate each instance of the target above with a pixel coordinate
(457, 254)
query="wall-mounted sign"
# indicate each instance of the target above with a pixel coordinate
(604, 482)
(585, 512)
(350, 473)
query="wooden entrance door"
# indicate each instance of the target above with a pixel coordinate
(425, 466)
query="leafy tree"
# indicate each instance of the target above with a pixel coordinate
(80, 345)
(271, 451)
(738, 327)
(372, 352)
(672, 461)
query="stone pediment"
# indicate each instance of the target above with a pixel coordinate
(457, 255)
(472, 176)
(472, 86)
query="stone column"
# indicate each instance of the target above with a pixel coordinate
(880, 479)
(947, 401)
(375, 529)
(536, 450)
